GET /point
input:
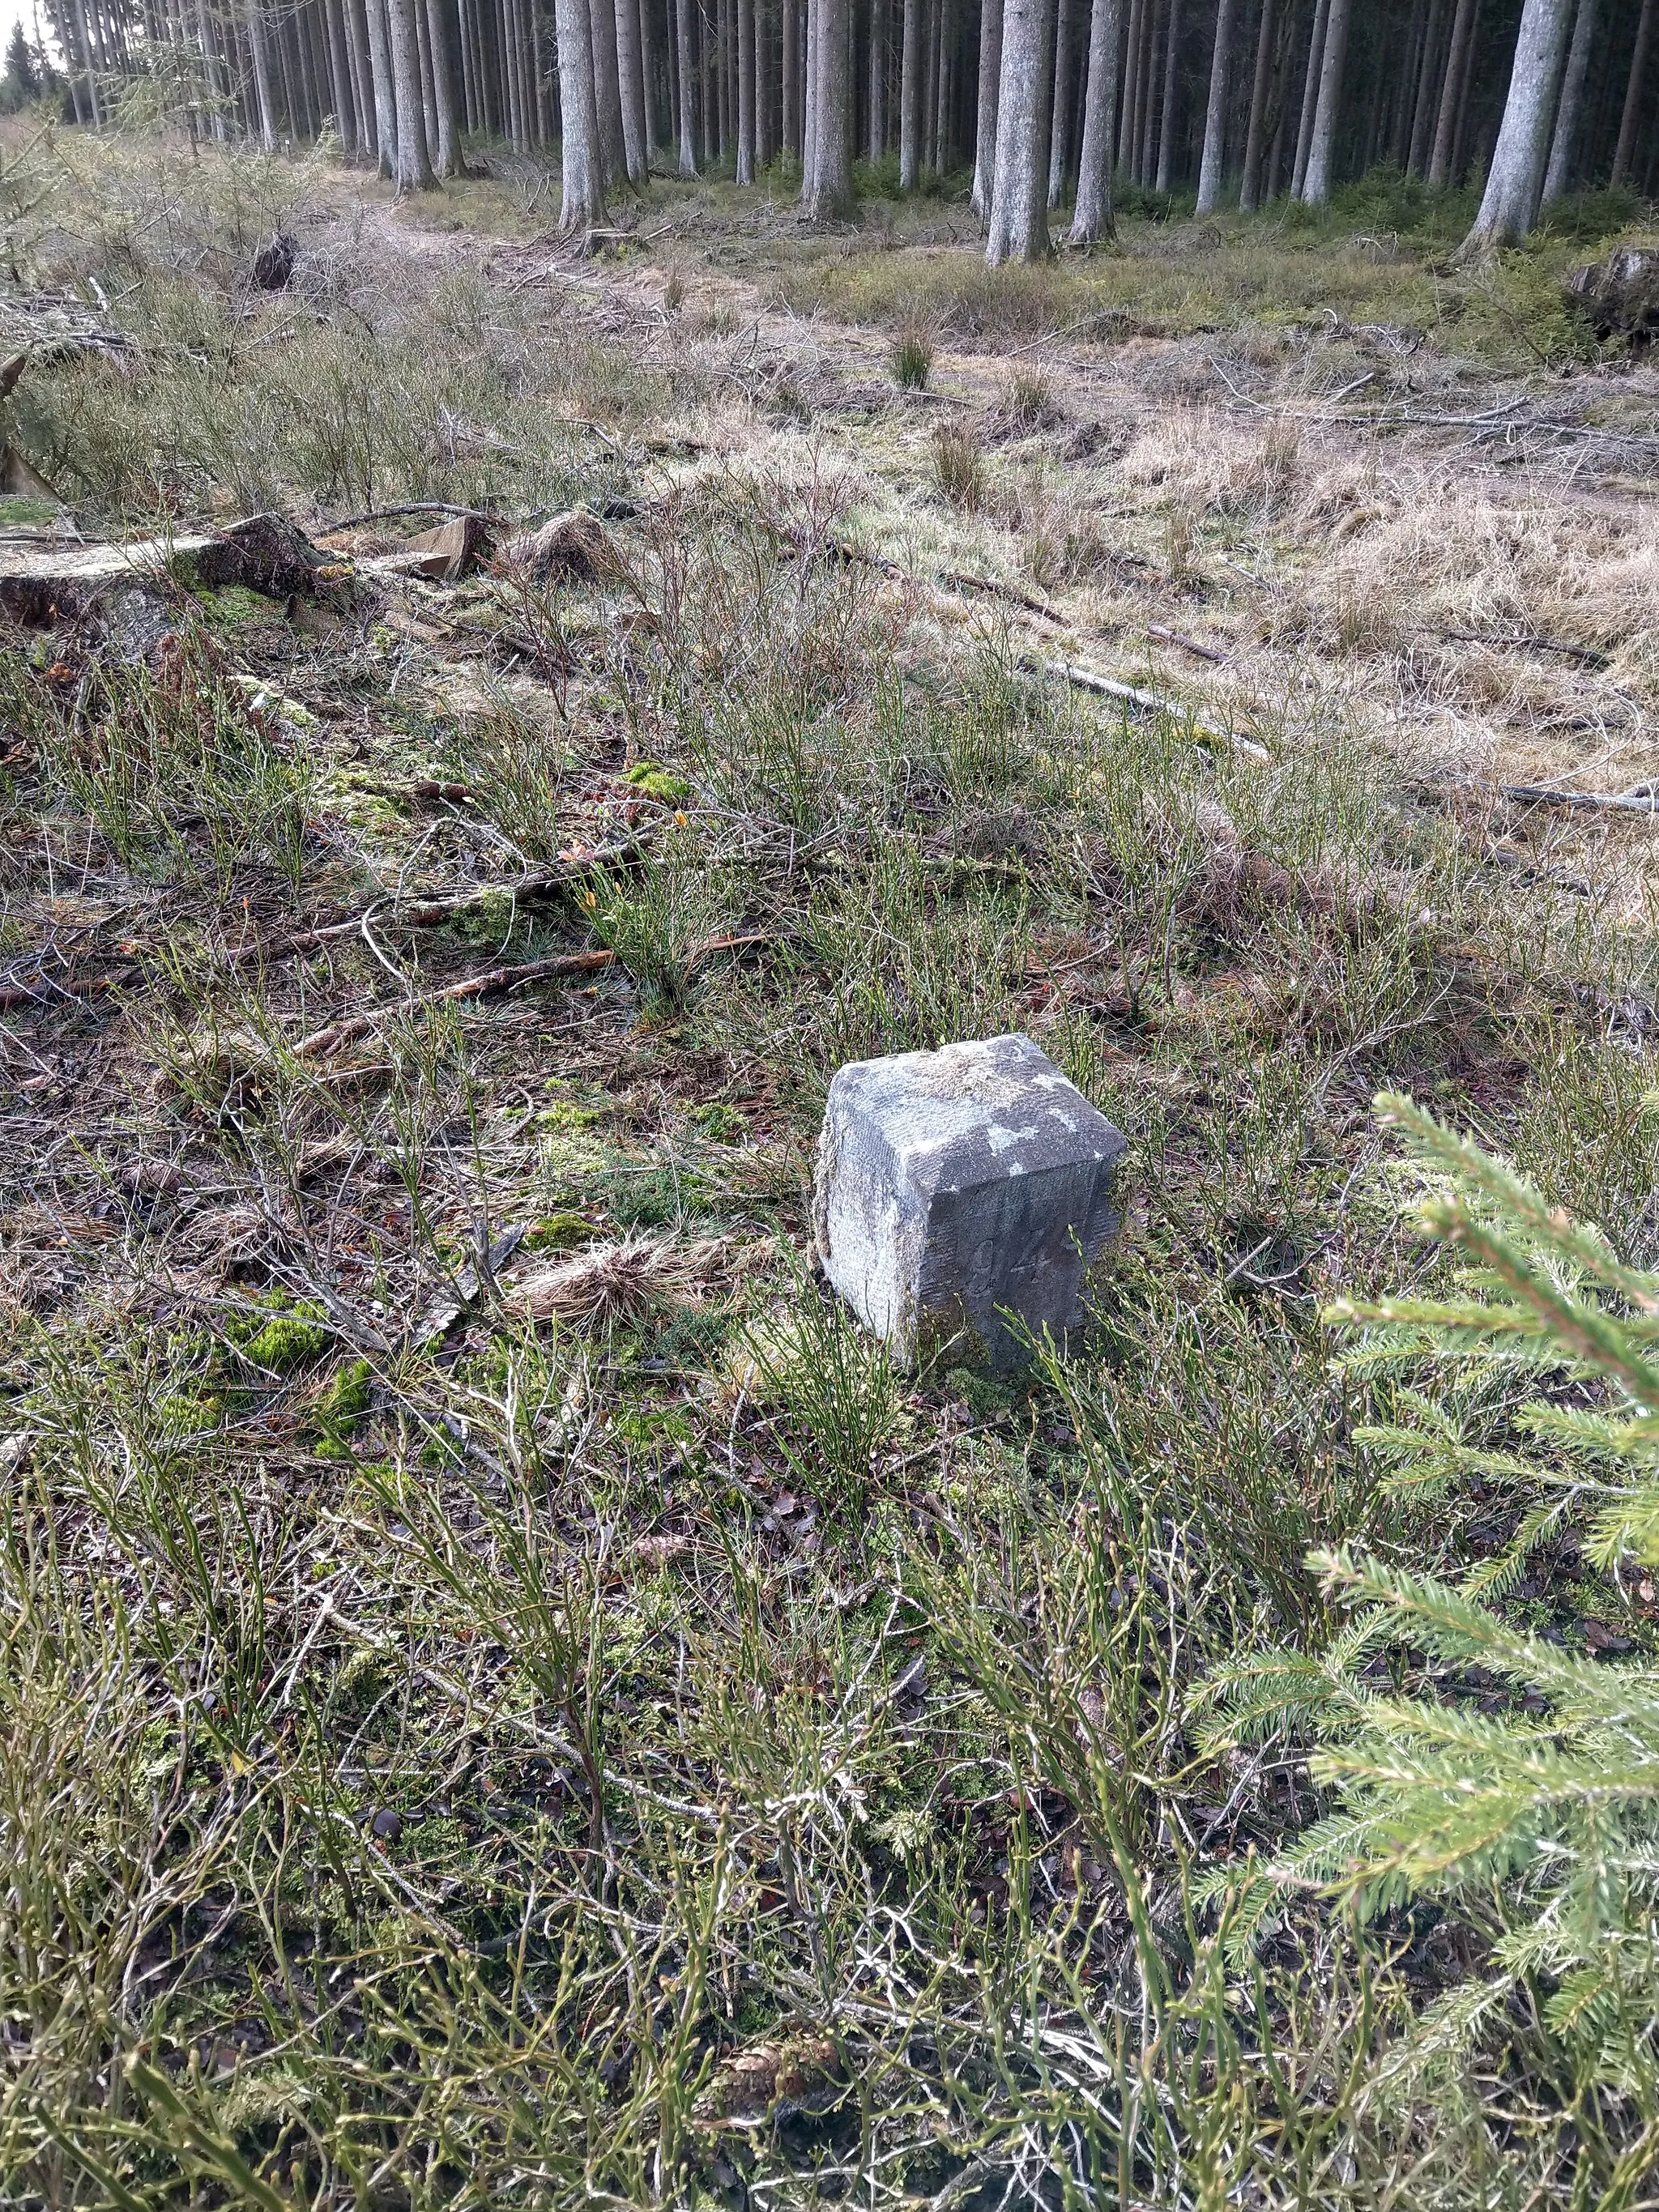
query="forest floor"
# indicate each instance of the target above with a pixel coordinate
(506, 1697)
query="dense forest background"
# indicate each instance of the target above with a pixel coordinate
(1050, 103)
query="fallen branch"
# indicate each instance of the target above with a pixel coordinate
(1187, 644)
(321, 1043)
(415, 506)
(1589, 655)
(1150, 702)
(1643, 800)
(434, 914)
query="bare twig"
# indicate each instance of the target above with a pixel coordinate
(321, 1043)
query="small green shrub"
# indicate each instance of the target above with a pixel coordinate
(911, 360)
(957, 470)
(835, 1382)
(1533, 1811)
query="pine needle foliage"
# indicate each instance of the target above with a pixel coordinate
(1536, 1821)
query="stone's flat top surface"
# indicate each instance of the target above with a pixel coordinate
(974, 1113)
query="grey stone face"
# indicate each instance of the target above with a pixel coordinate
(956, 1183)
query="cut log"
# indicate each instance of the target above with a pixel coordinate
(1620, 294)
(41, 585)
(273, 265)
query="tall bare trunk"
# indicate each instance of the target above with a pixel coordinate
(582, 207)
(930, 88)
(1019, 213)
(1309, 96)
(1451, 94)
(1215, 115)
(1423, 111)
(877, 104)
(745, 27)
(985, 134)
(1633, 88)
(345, 112)
(1171, 86)
(827, 185)
(1558, 174)
(412, 167)
(444, 160)
(1316, 184)
(1249, 190)
(607, 89)
(911, 92)
(1128, 143)
(386, 103)
(1508, 206)
(631, 83)
(1092, 218)
(790, 43)
(1060, 125)
(1158, 39)
(256, 46)
(682, 79)
(947, 88)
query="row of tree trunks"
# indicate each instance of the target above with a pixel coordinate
(1252, 96)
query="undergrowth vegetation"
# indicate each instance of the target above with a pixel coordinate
(506, 1695)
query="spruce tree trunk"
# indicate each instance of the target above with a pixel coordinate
(875, 119)
(1157, 54)
(386, 103)
(985, 131)
(582, 207)
(1249, 190)
(1215, 117)
(1060, 127)
(630, 80)
(790, 43)
(944, 148)
(649, 110)
(445, 161)
(1091, 218)
(1633, 88)
(1309, 97)
(429, 101)
(827, 187)
(1019, 213)
(746, 91)
(1423, 115)
(1171, 86)
(412, 169)
(1508, 207)
(683, 79)
(1451, 95)
(1128, 144)
(722, 94)
(362, 79)
(910, 91)
(1322, 145)
(1558, 174)
(607, 89)
(345, 111)
(256, 46)
(929, 147)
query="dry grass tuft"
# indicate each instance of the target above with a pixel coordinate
(619, 1281)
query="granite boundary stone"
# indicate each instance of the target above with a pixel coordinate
(955, 1184)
